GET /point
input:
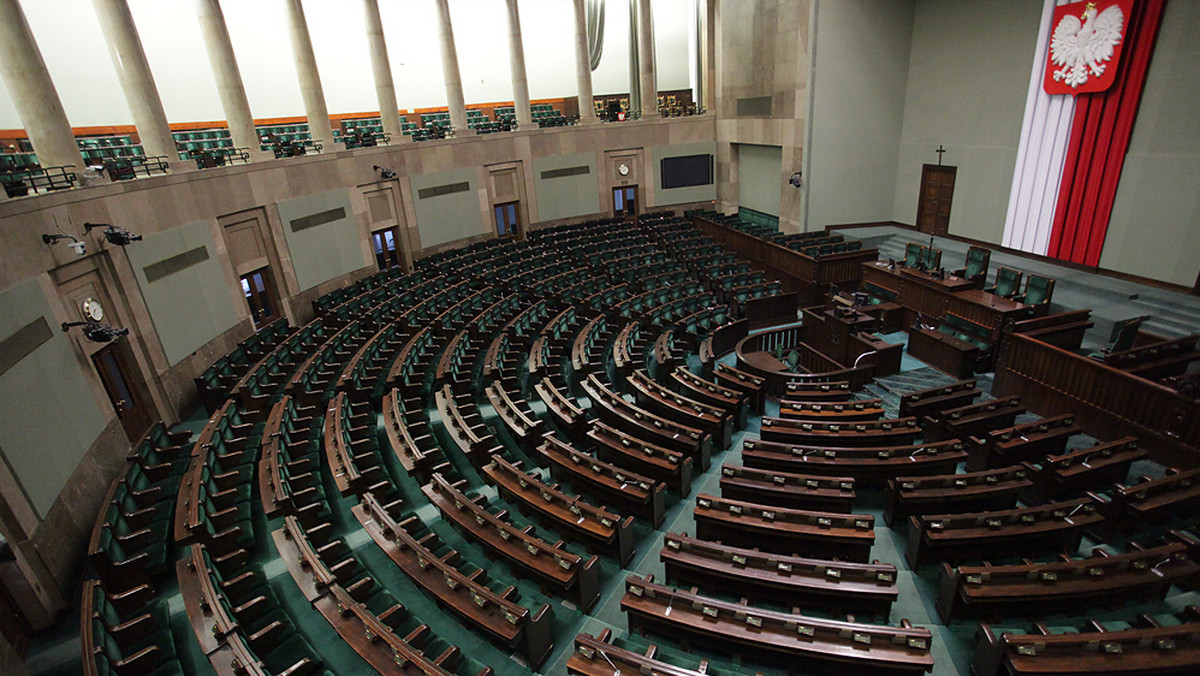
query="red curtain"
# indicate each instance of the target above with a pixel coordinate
(1100, 136)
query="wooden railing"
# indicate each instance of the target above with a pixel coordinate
(1108, 402)
(818, 367)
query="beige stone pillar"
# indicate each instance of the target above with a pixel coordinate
(583, 65)
(229, 78)
(516, 57)
(647, 75)
(450, 73)
(137, 82)
(381, 67)
(310, 79)
(33, 92)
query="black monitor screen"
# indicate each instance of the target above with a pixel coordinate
(687, 170)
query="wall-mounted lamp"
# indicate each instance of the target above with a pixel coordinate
(114, 235)
(795, 179)
(77, 245)
(384, 172)
(96, 332)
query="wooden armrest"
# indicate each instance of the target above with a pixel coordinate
(266, 639)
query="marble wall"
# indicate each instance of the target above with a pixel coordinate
(762, 66)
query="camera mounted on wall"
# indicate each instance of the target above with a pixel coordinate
(384, 173)
(77, 245)
(96, 332)
(114, 235)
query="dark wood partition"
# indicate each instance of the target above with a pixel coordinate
(808, 276)
(1109, 403)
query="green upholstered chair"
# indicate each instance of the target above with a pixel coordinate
(977, 265)
(933, 258)
(913, 253)
(1038, 291)
(1008, 282)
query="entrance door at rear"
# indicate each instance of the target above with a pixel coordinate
(625, 201)
(507, 220)
(124, 388)
(937, 193)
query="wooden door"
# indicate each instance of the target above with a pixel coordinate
(937, 192)
(386, 247)
(625, 201)
(124, 387)
(507, 219)
(261, 297)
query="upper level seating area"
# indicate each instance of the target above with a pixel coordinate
(454, 464)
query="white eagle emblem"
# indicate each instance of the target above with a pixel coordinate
(1081, 48)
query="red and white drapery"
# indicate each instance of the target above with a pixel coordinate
(1072, 150)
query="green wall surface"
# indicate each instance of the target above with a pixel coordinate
(760, 176)
(1155, 226)
(860, 77)
(968, 77)
(567, 196)
(445, 218)
(48, 414)
(188, 298)
(325, 246)
(695, 193)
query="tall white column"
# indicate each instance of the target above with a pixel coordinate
(229, 78)
(583, 65)
(33, 92)
(381, 67)
(516, 57)
(133, 70)
(310, 79)
(647, 73)
(450, 72)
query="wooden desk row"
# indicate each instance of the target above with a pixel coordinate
(551, 564)
(657, 398)
(838, 586)
(616, 411)
(1028, 441)
(631, 492)
(861, 433)
(420, 556)
(409, 435)
(1051, 527)
(786, 489)
(1147, 647)
(871, 466)
(972, 420)
(831, 411)
(463, 424)
(928, 401)
(1039, 589)
(784, 530)
(844, 647)
(595, 527)
(733, 402)
(629, 452)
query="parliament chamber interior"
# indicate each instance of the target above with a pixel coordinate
(831, 337)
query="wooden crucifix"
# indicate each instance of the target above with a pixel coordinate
(939, 151)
